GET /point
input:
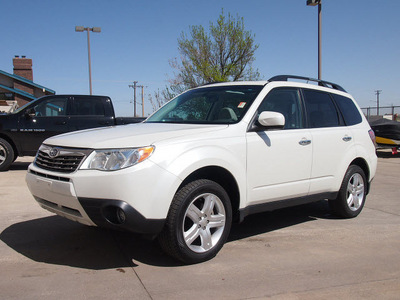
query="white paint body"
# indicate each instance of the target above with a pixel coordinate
(267, 166)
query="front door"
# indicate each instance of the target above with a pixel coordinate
(49, 119)
(279, 161)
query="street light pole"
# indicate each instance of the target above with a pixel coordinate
(89, 60)
(314, 3)
(88, 29)
(319, 41)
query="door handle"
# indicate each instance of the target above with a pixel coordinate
(61, 123)
(305, 142)
(347, 138)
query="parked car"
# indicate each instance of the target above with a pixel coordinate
(210, 156)
(23, 131)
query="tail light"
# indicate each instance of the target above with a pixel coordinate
(372, 136)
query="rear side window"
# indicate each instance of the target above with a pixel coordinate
(87, 107)
(349, 111)
(321, 110)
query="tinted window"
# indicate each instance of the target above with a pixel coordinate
(349, 111)
(321, 111)
(88, 107)
(51, 107)
(286, 102)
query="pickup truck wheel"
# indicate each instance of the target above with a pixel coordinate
(198, 222)
(351, 197)
(6, 155)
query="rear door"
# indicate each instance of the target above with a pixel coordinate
(89, 112)
(333, 142)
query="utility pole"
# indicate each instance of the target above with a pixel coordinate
(142, 101)
(377, 93)
(142, 86)
(134, 86)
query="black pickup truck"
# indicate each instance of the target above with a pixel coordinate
(23, 131)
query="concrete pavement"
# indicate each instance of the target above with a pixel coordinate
(296, 253)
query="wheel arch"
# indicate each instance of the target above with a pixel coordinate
(11, 142)
(364, 166)
(224, 178)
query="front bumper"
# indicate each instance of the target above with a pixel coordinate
(116, 214)
(128, 199)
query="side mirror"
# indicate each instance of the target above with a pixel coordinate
(271, 119)
(30, 112)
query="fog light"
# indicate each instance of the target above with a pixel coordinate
(121, 216)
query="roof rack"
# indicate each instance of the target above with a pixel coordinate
(320, 82)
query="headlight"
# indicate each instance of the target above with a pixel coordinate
(116, 159)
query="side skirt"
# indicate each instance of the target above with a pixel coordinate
(270, 206)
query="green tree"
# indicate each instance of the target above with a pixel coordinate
(224, 53)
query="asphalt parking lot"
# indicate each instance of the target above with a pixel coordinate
(296, 253)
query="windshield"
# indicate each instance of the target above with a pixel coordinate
(210, 105)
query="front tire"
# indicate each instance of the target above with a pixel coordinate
(198, 222)
(351, 197)
(6, 155)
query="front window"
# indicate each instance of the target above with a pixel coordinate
(51, 107)
(209, 105)
(25, 106)
(287, 102)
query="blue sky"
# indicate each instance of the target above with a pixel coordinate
(360, 42)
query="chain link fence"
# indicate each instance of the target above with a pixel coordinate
(387, 112)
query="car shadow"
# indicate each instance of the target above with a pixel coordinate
(19, 165)
(55, 240)
(271, 221)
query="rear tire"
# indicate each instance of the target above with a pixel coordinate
(6, 155)
(198, 222)
(351, 197)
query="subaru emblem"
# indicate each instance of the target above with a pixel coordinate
(53, 152)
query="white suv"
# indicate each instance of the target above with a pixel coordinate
(212, 155)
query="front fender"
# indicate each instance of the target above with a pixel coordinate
(190, 159)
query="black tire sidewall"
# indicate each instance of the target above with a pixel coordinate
(9, 154)
(197, 188)
(340, 205)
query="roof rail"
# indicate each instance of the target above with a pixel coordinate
(320, 82)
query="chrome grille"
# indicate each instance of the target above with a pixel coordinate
(59, 159)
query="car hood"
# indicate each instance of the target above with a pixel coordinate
(132, 135)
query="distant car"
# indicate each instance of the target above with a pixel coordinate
(23, 131)
(212, 155)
